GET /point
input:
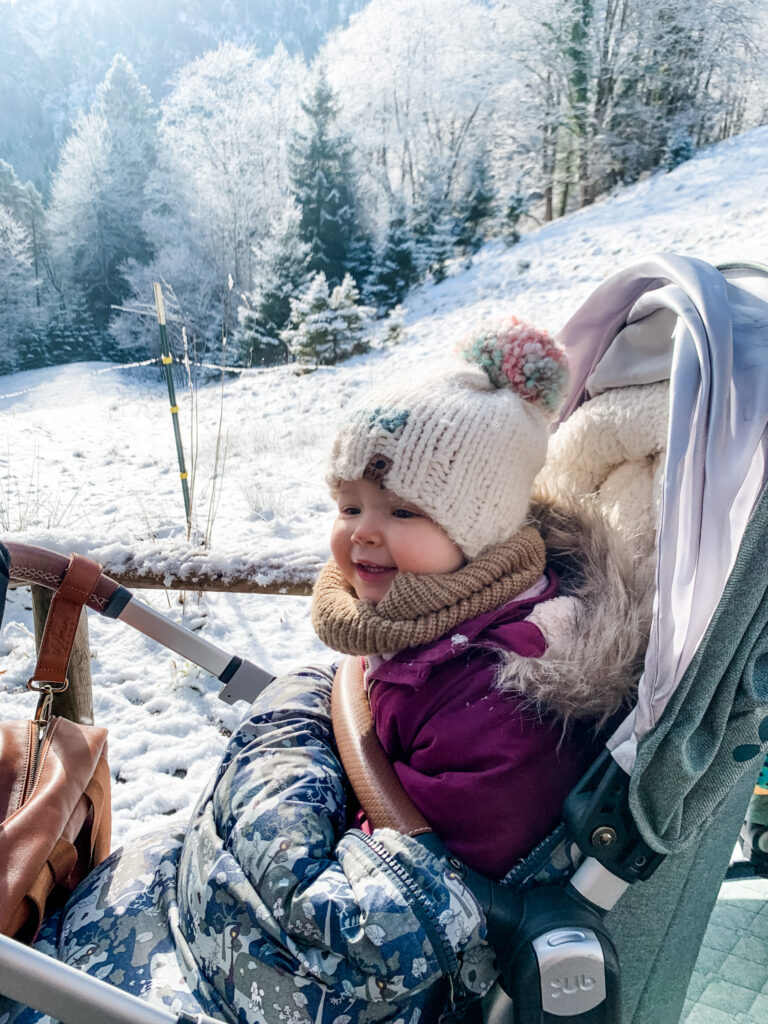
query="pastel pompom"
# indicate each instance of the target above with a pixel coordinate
(525, 358)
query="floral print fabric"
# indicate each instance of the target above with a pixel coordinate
(265, 908)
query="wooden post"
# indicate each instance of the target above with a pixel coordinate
(76, 702)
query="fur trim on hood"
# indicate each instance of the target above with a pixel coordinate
(597, 630)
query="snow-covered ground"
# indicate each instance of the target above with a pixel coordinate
(87, 463)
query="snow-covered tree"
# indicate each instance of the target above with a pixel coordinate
(20, 316)
(323, 184)
(395, 270)
(221, 178)
(326, 327)
(426, 97)
(97, 200)
(280, 274)
(345, 301)
(25, 204)
(435, 228)
(602, 84)
(475, 206)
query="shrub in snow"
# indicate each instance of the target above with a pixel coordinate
(327, 327)
(517, 207)
(680, 146)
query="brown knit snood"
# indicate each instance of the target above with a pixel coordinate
(419, 608)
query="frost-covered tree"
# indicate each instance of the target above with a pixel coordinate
(394, 270)
(323, 184)
(20, 322)
(25, 204)
(603, 84)
(434, 224)
(221, 178)
(475, 206)
(326, 327)
(345, 301)
(97, 199)
(426, 97)
(280, 274)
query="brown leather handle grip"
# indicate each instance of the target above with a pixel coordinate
(370, 772)
(30, 564)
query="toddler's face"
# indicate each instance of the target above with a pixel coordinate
(376, 535)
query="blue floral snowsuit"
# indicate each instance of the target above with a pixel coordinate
(264, 909)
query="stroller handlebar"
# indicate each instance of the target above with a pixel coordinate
(242, 680)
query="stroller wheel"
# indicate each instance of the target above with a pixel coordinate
(749, 840)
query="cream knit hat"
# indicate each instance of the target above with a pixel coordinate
(465, 442)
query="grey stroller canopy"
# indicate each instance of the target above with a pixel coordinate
(677, 318)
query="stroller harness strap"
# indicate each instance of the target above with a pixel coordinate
(72, 595)
(370, 772)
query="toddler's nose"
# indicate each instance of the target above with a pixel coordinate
(366, 531)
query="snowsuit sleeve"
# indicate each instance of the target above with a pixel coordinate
(267, 860)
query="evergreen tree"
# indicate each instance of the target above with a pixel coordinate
(326, 327)
(680, 147)
(434, 224)
(517, 206)
(476, 206)
(323, 184)
(345, 301)
(25, 204)
(280, 274)
(98, 193)
(18, 329)
(395, 269)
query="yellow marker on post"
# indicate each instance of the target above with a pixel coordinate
(167, 360)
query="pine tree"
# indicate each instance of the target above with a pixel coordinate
(280, 274)
(434, 225)
(25, 204)
(326, 327)
(98, 192)
(17, 294)
(345, 301)
(517, 206)
(476, 207)
(395, 269)
(680, 146)
(323, 184)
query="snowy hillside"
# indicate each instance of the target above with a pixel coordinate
(87, 463)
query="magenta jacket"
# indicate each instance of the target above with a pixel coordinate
(488, 772)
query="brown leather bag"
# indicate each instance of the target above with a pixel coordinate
(55, 814)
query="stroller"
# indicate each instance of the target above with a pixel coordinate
(634, 870)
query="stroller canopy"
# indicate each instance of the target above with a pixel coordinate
(700, 709)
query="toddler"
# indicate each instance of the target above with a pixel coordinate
(439, 583)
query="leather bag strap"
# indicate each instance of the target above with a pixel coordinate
(73, 592)
(369, 770)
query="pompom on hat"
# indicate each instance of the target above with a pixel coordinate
(464, 441)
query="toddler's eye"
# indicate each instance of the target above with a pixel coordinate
(404, 513)
(350, 510)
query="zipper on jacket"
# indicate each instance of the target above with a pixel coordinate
(444, 952)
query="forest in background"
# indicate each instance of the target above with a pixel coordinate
(289, 170)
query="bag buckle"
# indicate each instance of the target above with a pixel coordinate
(45, 700)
